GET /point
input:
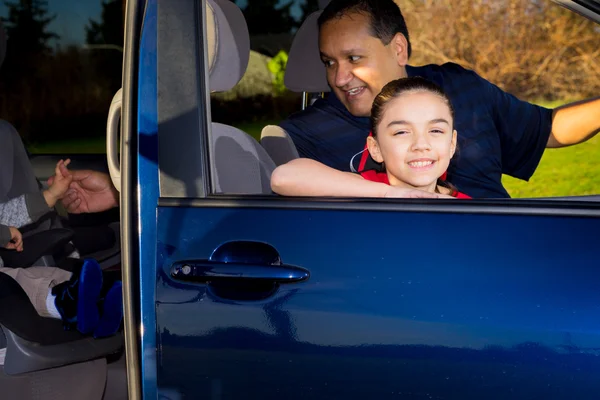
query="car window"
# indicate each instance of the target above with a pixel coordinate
(537, 51)
(62, 67)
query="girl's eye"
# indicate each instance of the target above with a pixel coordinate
(400, 133)
(437, 131)
(354, 58)
(328, 63)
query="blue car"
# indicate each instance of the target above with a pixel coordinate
(232, 292)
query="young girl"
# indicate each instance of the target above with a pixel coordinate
(412, 137)
(81, 299)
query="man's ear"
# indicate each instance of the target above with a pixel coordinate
(374, 150)
(453, 144)
(399, 45)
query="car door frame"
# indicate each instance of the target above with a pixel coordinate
(170, 115)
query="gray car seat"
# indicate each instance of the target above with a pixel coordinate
(239, 164)
(305, 73)
(17, 177)
(38, 358)
(278, 144)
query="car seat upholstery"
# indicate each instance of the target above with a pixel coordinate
(37, 355)
(305, 73)
(16, 174)
(239, 164)
(278, 144)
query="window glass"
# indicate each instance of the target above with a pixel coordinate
(62, 67)
(537, 51)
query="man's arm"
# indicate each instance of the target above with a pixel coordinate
(575, 123)
(306, 177)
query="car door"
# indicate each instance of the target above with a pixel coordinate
(324, 298)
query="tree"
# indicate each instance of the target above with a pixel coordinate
(27, 26)
(307, 8)
(110, 28)
(105, 40)
(28, 38)
(264, 17)
(28, 55)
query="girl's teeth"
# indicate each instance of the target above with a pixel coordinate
(421, 164)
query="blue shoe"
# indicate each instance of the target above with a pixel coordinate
(112, 312)
(90, 283)
(76, 299)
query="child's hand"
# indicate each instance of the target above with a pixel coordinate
(16, 240)
(60, 183)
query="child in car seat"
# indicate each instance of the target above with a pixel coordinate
(83, 299)
(412, 138)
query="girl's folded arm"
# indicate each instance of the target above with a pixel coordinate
(306, 177)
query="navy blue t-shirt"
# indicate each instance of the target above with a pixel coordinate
(497, 133)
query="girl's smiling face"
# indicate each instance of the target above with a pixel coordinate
(415, 139)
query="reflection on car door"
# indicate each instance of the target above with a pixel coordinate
(398, 304)
(282, 299)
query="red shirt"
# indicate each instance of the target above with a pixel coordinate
(381, 177)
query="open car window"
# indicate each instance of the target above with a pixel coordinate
(60, 70)
(539, 52)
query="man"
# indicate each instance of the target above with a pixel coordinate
(365, 44)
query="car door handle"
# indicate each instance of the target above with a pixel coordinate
(205, 271)
(240, 261)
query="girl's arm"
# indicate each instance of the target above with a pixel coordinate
(306, 177)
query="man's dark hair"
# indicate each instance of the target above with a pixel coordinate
(386, 17)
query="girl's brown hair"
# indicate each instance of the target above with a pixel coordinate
(399, 87)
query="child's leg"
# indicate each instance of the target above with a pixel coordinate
(74, 297)
(37, 282)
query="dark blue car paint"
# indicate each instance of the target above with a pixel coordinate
(147, 176)
(410, 305)
(405, 305)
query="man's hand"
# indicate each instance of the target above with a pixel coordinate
(89, 192)
(398, 192)
(16, 240)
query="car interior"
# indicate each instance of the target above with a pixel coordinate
(36, 354)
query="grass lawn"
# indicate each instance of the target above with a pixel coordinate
(562, 172)
(569, 171)
(97, 145)
(78, 146)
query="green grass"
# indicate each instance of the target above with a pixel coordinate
(78, 146)
(98, 145)
(568, 171)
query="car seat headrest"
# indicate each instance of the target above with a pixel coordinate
(228, 44)
(305, 71)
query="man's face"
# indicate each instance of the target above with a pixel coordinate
(358, 64)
